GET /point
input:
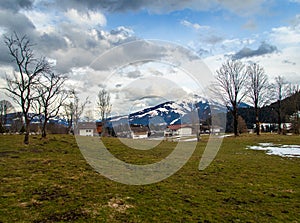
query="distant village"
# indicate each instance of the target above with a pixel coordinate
(12, 123)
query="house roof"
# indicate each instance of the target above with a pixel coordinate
(139, 128)
(178, 126)
(86, 125)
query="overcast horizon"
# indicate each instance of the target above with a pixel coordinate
(74, 34)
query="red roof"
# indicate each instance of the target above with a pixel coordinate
(178, 126)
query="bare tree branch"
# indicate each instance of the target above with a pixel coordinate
(51, 97)
(73, 109)
(259, 89)
(230, 87)
(21, 87)
(104, 107)
(280, 90)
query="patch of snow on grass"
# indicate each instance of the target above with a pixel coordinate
(280, 150)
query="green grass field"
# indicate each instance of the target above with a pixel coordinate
(50, 181)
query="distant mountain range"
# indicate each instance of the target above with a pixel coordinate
(171, 112)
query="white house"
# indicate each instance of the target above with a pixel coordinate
(178, 130)
(139, 131)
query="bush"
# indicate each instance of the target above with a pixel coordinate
(22, 130)
(2, 128)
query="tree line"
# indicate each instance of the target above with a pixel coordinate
(237, 82)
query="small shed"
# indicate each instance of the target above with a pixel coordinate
(86, 128)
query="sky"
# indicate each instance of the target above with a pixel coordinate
(149, 51)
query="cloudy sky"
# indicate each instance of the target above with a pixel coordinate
(99, 43)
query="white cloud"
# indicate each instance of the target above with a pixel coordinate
(286, 35)
(43, 22)
(275, 64)
(237, 42)
(85, 19)
(284, 63)
(195, 26)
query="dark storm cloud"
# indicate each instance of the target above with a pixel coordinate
(131, 52)
(109, 5)
(52, 42)
(158, 6)
(263, 49)
(12, 21)
(15, 5)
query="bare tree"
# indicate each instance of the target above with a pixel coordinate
(21, 86)
(258, 89)
(280, 91)
(230, 86)
(104, 107)
(5, 108)
(52, 96)
(294, 91)
(73, 110)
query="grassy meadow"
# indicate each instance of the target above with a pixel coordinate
(50, 181)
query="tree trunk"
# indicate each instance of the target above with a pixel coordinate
(44, 133)
(257, 126)
(279, 124)
(235, 125)
(235, 121)
(198, 134)
(26, 137)
(103, 128)
(70, 124)
(279, 117)
(257, 121)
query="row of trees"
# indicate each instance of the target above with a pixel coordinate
(236, 82)
(34, 86)
(39, 91)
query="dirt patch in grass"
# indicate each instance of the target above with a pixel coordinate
(119, 204)
(48, 193)
(67, 216)
(11, 154)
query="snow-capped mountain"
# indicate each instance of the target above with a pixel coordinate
(171, 112)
